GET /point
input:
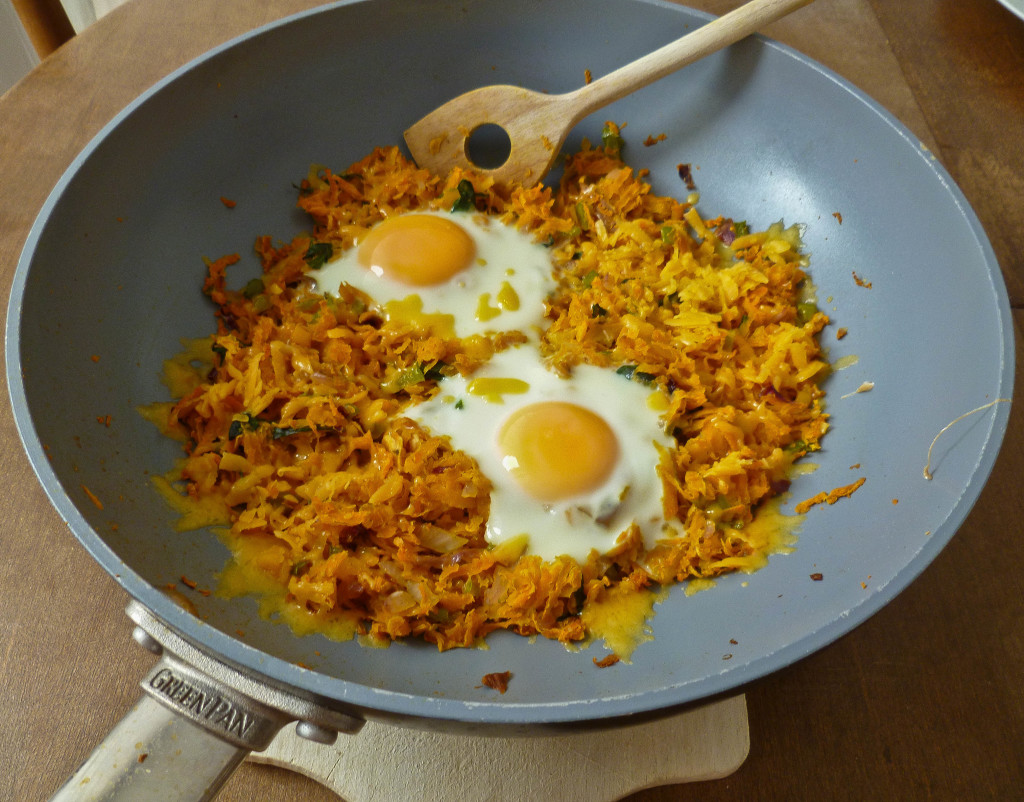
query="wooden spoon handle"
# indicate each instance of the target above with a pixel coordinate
(537, 123)
(715, 35)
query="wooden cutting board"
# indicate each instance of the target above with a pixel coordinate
(383, 763)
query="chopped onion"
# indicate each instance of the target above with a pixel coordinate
(398, 601)
(440, 540)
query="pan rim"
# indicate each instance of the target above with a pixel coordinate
(342, 692)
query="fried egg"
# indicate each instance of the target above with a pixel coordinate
(456, 273)
(572, 461)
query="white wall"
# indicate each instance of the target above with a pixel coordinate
(83, 13)
(17, 56)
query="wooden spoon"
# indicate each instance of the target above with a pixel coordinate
(537, 124)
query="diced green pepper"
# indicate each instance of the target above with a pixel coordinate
(253, 288)
(805, 311)
(611, 140)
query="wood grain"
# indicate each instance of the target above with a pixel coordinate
(922, 702)
(384, 762)
(967, 72)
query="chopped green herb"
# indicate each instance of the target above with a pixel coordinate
(467, 197)
(739, 228)
(250, 423)
(301, 567)
(668, 235)
(317, 254)
(589, 278)
(284, 431)
(220, 351)
(631, 372)
(459, 404)
(596, 310)
(435, 372)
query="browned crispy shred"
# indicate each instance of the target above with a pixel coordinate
(497, 680)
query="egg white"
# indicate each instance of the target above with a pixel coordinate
(632, 492)
(503, 254)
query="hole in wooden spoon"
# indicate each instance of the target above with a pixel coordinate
(488, 146)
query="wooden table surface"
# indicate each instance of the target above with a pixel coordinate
(923, 701)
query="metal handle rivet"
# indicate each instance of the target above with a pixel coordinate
(316, 733)
(147, 641)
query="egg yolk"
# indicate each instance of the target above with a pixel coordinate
(556, 450)
(417, 249)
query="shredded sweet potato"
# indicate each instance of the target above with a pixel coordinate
(831, 497)
(294, 437)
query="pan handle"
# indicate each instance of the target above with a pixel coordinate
(196, 722)
(154, 754)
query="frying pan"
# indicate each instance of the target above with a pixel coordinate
(110, 279)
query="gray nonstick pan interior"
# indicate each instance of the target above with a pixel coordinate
(110, 282)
